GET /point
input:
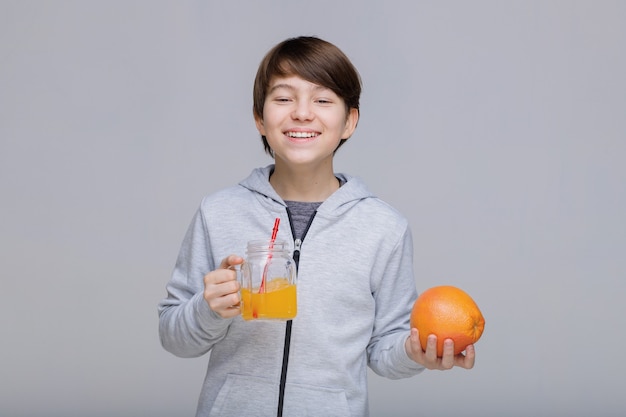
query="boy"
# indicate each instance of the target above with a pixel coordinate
(353, 254)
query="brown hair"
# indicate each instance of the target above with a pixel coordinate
(315, 60)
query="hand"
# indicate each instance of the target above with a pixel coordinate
(429, 359)
(221, 289)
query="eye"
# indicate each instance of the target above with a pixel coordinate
(323, 101)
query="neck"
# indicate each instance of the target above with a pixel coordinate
(301, 184)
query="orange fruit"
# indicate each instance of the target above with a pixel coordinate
(449, 313)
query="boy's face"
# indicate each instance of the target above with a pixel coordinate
(304, 122)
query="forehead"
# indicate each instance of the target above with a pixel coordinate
(294, 83)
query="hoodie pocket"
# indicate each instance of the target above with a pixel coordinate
(243, 395)
(307, 400)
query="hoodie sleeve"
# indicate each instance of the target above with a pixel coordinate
(394, 295)
(187, 325)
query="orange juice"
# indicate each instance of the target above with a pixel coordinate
(277, 302)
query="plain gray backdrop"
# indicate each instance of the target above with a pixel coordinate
(497, 127)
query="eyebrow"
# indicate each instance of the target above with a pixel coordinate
(291, 87)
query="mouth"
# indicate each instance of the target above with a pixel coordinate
(301, 135)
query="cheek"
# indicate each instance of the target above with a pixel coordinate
(271, 118)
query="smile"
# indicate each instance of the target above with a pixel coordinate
(302, 134)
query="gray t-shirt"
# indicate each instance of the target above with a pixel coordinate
(301, 213)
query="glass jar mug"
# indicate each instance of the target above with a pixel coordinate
(268, 282)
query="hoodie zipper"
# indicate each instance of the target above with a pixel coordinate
(297, 243)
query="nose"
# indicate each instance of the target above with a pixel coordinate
(302, 111)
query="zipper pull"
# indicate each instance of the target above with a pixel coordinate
(296, 251)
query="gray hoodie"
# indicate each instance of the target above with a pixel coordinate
(355, 292)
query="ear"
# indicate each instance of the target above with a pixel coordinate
(351, 121)
(258, 121)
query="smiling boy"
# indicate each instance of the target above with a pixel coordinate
(353, 254)
(303, 124)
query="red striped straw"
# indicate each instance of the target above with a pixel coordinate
(269, 255)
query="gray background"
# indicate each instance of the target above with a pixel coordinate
(497, 127)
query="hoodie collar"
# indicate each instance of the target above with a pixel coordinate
(353, 190)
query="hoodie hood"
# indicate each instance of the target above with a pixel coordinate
(350, 193)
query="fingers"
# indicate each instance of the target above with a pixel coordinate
(221, 289)
(467, 361)
(431, 352)
(415, 339)
(428, 357)
(413, 346)
(448, 359)
(230, 260)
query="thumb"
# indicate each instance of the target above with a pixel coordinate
(230, 260)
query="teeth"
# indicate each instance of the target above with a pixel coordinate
(301, 134)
